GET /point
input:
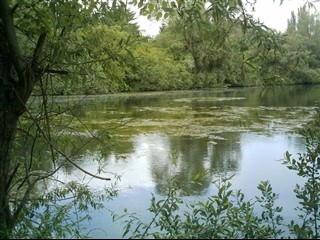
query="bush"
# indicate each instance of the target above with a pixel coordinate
(157, 71)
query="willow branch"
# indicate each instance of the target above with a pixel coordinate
(65, 156)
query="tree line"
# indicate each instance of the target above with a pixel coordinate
(196, 48)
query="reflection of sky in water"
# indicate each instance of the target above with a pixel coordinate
(258, 161)
(261, 161)
(151, 155)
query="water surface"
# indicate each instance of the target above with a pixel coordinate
(156, 138)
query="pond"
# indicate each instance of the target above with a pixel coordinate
(157, 137)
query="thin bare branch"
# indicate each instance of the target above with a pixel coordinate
(64, 155)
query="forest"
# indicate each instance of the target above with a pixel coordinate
(190, 52)
(60, 48)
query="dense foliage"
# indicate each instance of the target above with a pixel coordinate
(200, 48)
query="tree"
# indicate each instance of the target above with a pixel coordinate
(222, 44)
(157, 70)
(302, 52)
(18, 78)
(32, 45)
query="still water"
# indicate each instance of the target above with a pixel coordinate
(154, 138)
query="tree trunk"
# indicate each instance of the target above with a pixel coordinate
(13, 97)
(9, 116)
(8, 125)
(17, 80)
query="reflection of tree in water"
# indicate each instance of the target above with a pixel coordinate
(187, 157)
(184, 161)
(224, 156)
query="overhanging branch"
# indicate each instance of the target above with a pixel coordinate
(68, 159)
(38, 49)
(14, 8)
(61, 72)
